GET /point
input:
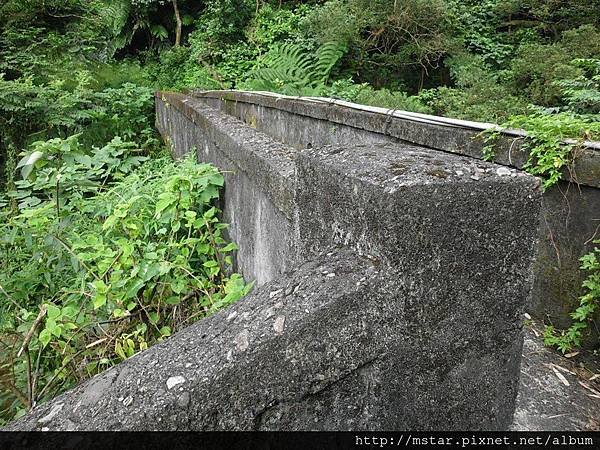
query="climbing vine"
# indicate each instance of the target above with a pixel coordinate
(551, 141)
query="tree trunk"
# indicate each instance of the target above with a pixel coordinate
(179, 24)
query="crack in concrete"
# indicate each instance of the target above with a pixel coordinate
(322, 388)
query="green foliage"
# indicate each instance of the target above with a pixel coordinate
(478, 24)
(121, 252)
(549, 153)
(335, 20)
(538, 66)
(224, 21)
(290, 69)
(29, 112)
(554, 135)
(43, 38)
(589, 303)
(549, 18)
(177, 70)
(491, 136)
(475, 84)
(103, 251)
(273, 26)
(365, 94)
(391, 44)
(230, 37)
(582, 94)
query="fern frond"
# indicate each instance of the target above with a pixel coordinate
(115, 14)
(289, 68)
(328, 56)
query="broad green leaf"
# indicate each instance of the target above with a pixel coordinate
(45, 337)
(27, 163)
(99, 301)
(53, 311)
(230, 247)
(173, 300)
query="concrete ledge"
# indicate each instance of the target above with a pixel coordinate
(450, 135)
(570, 213)
(284, 345)
(460, 219)
(458, 237)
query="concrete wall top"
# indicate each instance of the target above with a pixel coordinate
(440, 133)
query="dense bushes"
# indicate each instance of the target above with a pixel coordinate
(30, 111)
(112, 253)
(104, 251)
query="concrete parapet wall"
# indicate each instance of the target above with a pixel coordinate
(392, 282)
(258, 197)
(454, 237)
(570, 216)
(278, 115)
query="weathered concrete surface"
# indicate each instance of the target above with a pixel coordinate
(270, 112)
(325, 348)
(258, 197)
(570, 217)
(331, 346)
(570, 222)
(458, 237)
(545, 402)
(293, 344)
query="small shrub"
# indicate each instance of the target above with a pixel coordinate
(177, 69)
(384, 98)
(582, 94)
(589, 303)
(537, 67)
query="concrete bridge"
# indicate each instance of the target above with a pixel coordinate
(393, 270)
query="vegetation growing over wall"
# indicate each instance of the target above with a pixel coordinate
(109, 261)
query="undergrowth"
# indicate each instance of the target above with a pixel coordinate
(102, 254)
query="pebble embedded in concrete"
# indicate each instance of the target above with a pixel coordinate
(53, 413)
(241, 341)
(503, 171)
(269, 312)
(183, 400)
(274, 293)
(174, 381)
(128, 401)
(278, 324)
